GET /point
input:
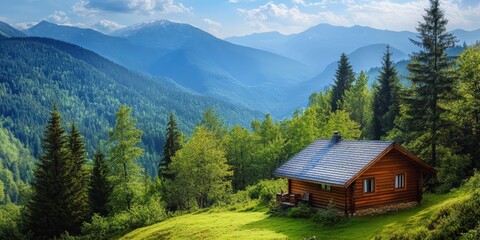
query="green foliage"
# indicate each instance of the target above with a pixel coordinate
(340, 121)
(100, 188)
(327, 216)
(432, 80)
(357, 102)
(240, 150)
(454, 168)
(34, 72)
(265, 190)
(11, 222)
(201, 171)
(302, 210)
(80, 175)
(344, 77)
(16, 165)
(385, 98)
(139, 216)
(173, 142)
(122, 154)
(212, 122)
(457, 220)
(466, 112)
(51, 210)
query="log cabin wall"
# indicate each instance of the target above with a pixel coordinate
(384, 172)
(319, 198)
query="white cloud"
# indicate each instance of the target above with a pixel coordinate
(386, 14)
(106, 26)
(92, 7)
(381, 14)
(285, 19)
(59, 17)
(25, 25)
(212, 22)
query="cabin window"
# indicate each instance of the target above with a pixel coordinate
(326, 187)
(400, 181)
(369, 185)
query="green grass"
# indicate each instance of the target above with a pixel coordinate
(254, 223)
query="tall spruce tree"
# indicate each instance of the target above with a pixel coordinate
(170, 147)
(385, 98)
(49, 208)
(344, 77)
(432, 78)
(79, 189)
(123, 152)
(99, 186)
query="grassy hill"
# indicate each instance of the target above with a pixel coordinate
(254, 223)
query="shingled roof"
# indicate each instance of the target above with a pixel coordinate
(332, 161)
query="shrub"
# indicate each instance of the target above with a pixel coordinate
(302, 210)
(140, 216)
(265, 190)
(326, 216)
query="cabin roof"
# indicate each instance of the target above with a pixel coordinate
(326, 161)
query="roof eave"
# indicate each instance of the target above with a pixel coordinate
(308, 180)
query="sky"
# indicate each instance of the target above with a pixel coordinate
(225, 18)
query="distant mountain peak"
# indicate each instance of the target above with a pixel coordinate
(8, 31)
(152, 24)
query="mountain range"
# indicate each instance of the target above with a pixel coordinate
(36, 72)
(320, 45)
(272, 72)
(253, 78)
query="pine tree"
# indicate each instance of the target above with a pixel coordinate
(79, 206)
(385, 98)
(125, 175)
(48, 210)
(99, 186)
(170, 147)
(432, 78)
(344, 78)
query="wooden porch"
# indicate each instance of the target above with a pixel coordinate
(290, 199)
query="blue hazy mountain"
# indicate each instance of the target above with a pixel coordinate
(362, 59)
(36, 72)
(8, 31)
(318, 46)
(119, 50)
(194, 59)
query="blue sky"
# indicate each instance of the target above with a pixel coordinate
(225, 18)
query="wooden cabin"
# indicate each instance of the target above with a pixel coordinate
(354, 174)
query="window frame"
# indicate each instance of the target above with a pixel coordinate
(404, 181)
(325, 187)
(372, 186)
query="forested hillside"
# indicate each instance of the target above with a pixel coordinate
(35, 73)
(16, 165)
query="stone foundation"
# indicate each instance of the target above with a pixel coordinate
(385, 209)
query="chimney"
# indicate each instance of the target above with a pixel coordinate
(336, 137)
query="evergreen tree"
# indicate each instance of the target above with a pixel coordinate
(123, 152)
(79, 189)
(172, 144)
(385, 98)
(432, 79)
(48, 210)
(99, 186)
(344, 77)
